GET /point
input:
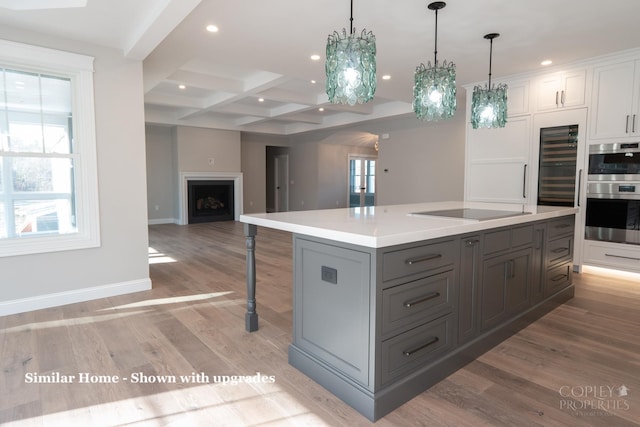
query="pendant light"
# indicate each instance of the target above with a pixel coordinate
(434, 91)
(351, 66)
(489, 105)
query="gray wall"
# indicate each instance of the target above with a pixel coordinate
(122, 258)
(254, 168)
(424, 161)
(424, 164)
(161, 170)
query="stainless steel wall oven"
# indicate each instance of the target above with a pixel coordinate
(613, 212)
(614, 162)
(613, 193)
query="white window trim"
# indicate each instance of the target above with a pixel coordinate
(79, 68)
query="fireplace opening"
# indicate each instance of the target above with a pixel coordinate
(210, 200)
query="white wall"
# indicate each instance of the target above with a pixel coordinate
(120, 264)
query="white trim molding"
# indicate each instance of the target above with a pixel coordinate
(185, 177)
(70, 297)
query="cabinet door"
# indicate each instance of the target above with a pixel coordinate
(518, 292)
(612, 103)
(572, 89)
(548, 89)
(498, 162)
(331, 306)
(506, 287)
(539, 263)
(469, 288)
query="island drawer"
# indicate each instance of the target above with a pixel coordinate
(406, 262)
(560, 249)
(558, 278)
(505, 239)
(416, 302)
(416, 347)
(560, 226)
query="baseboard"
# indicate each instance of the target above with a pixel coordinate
(70, 297)
(163, 221)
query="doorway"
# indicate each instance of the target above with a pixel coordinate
(281, 183)
(277, 179)
(362, 181)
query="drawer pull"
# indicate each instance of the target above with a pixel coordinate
(426, 258)
(625, 257)
(431, 341)
(425, 298)
(560, 250)
(559, 277)
(472, 242)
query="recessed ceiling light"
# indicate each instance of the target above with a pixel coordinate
(260, 99)
(546, 62)
(313, 82)
(320, 109)
(386, 77)
(182, 87)
(212, 28)
(315, 57)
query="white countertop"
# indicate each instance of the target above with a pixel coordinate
(382, 226)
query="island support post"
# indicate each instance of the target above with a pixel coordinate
(251, 317)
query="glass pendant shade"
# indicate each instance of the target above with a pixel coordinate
(489, 104)
(351, 67)
(434, 91)
(489, 107)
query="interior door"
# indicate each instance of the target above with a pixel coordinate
(362, 181)
(282, 183)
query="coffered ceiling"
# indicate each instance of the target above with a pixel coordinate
(255, 73)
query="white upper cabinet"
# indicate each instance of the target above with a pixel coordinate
(517, 98)
(561, 90)
(614, 112)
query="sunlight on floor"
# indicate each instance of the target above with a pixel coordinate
(170, 300)
(210, 404)
(156, 257)
(76, 321)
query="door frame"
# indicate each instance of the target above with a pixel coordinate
(276, 190)
(354, 156)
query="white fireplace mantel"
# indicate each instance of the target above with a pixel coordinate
(185, 177)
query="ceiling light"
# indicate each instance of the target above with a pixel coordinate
(351, 66)
(489, 105)
(434, 91)
(321, 109)
(182, 87)
(546, 62)
(260, 99)
(315, 57)
(313, 82)
(212, 28)
(386, 77)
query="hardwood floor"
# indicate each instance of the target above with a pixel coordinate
(586, 352)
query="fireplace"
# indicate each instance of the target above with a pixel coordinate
(231, 180)
(210, 200)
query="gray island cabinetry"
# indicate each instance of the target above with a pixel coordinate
(377, 323)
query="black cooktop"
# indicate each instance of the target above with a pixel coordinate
(469, 213)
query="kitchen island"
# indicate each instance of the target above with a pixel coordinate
(389, 300)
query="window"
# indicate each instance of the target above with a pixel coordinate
(48, 176)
